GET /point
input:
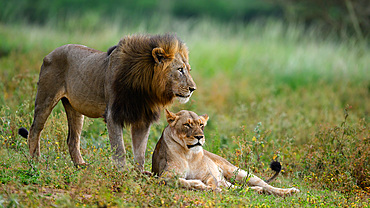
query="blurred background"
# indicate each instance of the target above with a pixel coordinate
(344, 16)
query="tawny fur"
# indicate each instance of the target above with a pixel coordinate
(128, 85)
(179, 153)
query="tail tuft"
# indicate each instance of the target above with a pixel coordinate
(23, 132)
(275, 166)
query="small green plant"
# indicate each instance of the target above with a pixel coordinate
(254, 151)
(338, 157)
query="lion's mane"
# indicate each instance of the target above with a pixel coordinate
(141, 87)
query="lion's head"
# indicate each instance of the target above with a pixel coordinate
(187, 128)
(150, 71)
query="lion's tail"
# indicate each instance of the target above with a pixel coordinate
(275, 166)
(23, 132)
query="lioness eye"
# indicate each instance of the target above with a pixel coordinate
(187, 125)
(181, 70)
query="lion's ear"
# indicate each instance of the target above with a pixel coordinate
(158, 55)
(205, 118)
(171, 117)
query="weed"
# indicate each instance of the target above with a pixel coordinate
(338, 157)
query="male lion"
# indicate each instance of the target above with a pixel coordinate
(128, 85)
(179, 152)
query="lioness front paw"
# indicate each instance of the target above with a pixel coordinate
(258, 189)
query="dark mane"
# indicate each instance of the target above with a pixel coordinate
(140, 85)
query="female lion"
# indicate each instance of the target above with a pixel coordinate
(179, 152)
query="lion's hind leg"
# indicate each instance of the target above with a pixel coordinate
(43, 108)
(258, 183)
(49, 91)
(230, 171)
(41, 114)
(46, 99)
(75, 123)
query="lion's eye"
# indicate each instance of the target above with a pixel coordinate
(181, 70)
(187, 125)
(201, 126)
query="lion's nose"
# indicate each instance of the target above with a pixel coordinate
(191, 89)
(199, 137)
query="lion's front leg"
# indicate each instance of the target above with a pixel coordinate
(196, 184)
(140, 133)
(115, 131)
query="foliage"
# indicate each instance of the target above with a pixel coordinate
(340, 15)
(339, 157)
(40, 11)
(345, 17)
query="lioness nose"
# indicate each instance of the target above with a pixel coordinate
(192, 89)
(199, 137)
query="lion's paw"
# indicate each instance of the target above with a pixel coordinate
(289, 192)
(294, 190)
(258, 189)
(147, 173)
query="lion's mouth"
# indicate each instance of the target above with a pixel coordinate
(194, 145)
(182, 96)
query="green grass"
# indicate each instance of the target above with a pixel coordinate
(286, 77)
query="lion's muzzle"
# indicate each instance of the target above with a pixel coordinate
(199, 137)
(184, 98)
(194, 145)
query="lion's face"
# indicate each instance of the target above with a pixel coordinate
(181, 82)
(188, 128)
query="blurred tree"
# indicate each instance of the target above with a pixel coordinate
(225, 10)
(347, 16)
(340, 15)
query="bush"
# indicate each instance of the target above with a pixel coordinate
(338, 157)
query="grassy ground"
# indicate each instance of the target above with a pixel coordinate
(270, 89)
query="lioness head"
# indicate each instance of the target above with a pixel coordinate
(188, 129)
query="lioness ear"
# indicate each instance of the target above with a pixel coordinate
(158, 55)
(205, 118)
(171, 117)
